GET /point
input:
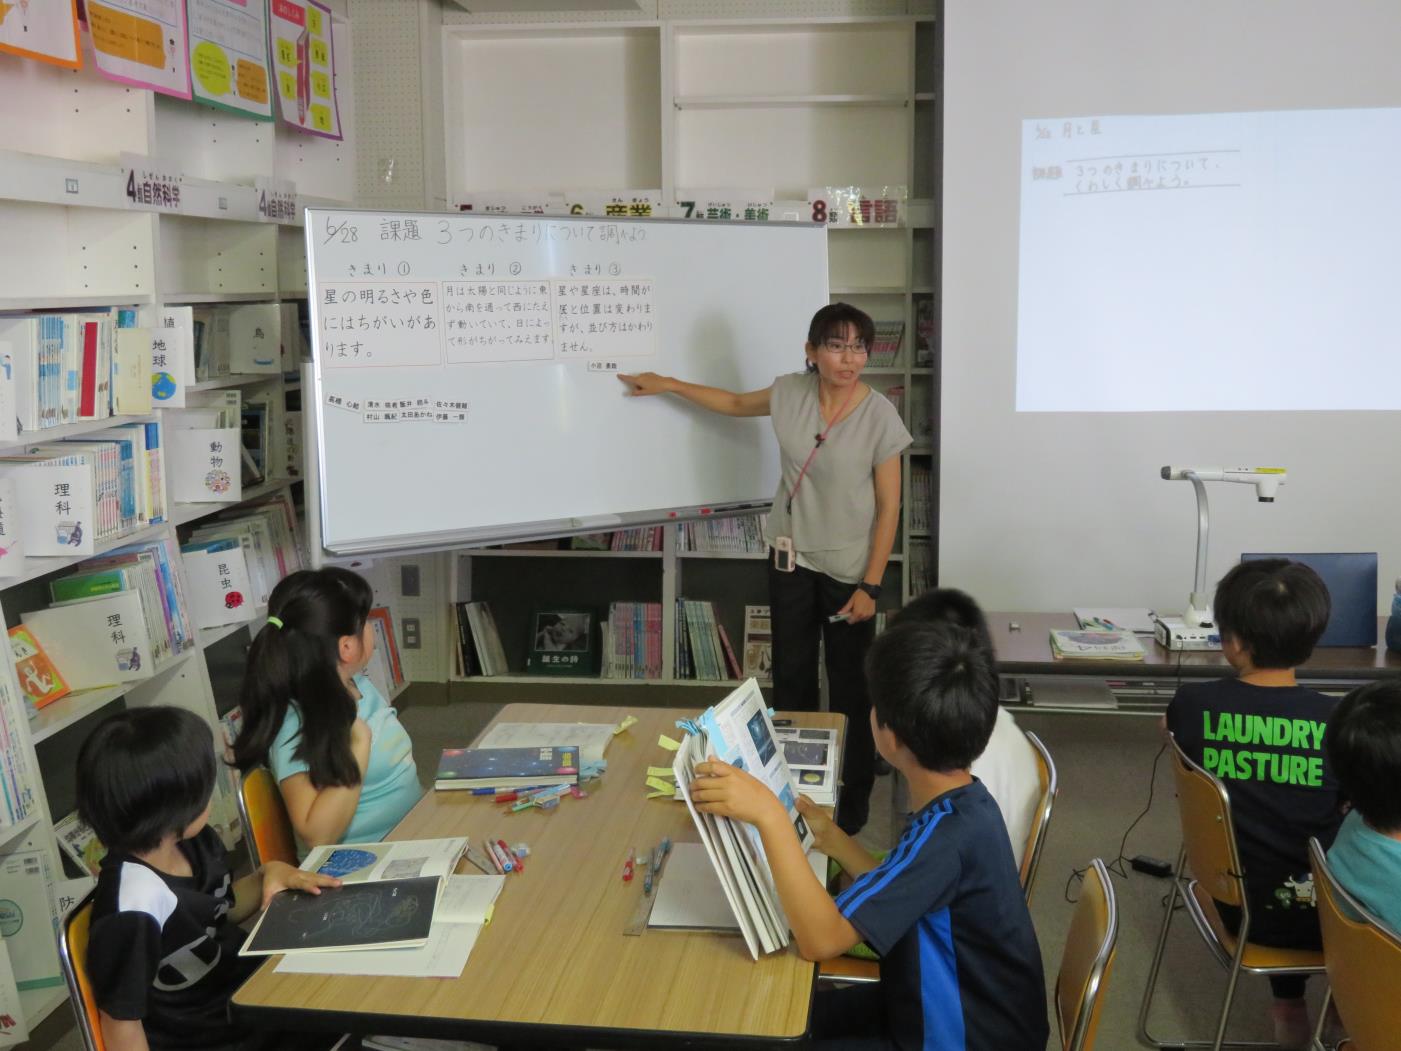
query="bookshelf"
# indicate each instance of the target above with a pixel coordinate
(736, 96)
(62, 198)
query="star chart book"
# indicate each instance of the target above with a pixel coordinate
(1096, 645)
(508, 767)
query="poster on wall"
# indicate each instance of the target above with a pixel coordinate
(142, 43)
(304, 63)
(46, 30)
(229, 55)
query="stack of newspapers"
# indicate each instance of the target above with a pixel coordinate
(740, 732)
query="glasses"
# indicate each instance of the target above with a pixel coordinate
(834, 347)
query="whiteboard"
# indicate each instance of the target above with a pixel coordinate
(464, 370)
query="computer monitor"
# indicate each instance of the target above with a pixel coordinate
(1352, 584)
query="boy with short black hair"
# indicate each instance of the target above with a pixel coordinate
(1262, 734)
(959, 959)
(163, 949)
(1008, 766)
(1364, 744)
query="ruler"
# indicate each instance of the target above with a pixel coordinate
(637, 923)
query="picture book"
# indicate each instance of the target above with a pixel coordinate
(562, 642)
(40, 681)
(592, 738)
(382, 914)
(460, 768)
(1096, 645)
(740, 732)
(80, 843)
(368, 862)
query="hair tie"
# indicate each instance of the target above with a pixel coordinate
(276, 622)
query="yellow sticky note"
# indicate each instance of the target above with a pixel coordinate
(667, 743)
(490, 911)
(660, 795)
(321, 85)
(320, 117)
(313, 19)
(660, 785)
(286, 52)
(661, 771)
(625, 724)
(287, 85)
(320, 53)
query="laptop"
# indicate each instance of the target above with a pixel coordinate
(1352, 584)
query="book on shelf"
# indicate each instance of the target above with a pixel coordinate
(885, 348)
(814, 756)
(758, 643)
(172, 352)
(204, 461)
(895, 394)
(742, 534)
(14, 1030)
(148, 569)
(384, 668)
(255, 338)
(479, 650)
(921, 413)
(255, 436)
(924, 331)
(632, 643)
(466, 768)
(12, 547)
(387, 899)
(58, 363)
(77, 840)
(27, 921)
(57, 499)
(267, 531)
(96, 642)
(702, 651)
(131, 372)
(562, 642)
(739, 731)
(921, 492)
(17, 780)
(1096, 645)
(293, 430)
(39, 679)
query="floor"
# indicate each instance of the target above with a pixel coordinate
(1104, 763)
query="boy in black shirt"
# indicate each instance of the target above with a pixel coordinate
(1262, 735)
(960, 965)
(163, 949)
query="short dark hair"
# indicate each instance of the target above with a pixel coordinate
(1275, 609)
(143, 774)
(1363, 740)
(831, 322)
(934, 685)
(947, 606)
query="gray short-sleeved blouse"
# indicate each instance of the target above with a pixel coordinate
(834, 512)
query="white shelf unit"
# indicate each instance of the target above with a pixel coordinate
(62, 199)
(703, 103)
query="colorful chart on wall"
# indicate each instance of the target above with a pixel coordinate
(229, 55)
(142, 43)
(46, 30)
(304, 64)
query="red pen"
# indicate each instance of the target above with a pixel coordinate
(627, 867)
(508, 797)
(510, 854)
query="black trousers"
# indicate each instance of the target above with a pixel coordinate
(800, 603)
(850, 1018)
(1279, 929)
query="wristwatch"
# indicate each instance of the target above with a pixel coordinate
(871, 589)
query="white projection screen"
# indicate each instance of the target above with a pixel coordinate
(1171, 234)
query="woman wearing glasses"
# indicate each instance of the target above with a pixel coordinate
(832, 525)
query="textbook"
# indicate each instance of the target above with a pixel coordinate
(1096, 645)
(387, 899)
(39, 679)
(739, 731)
(814, 756)
(460, 768)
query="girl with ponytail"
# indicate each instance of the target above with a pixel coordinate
(336, 747)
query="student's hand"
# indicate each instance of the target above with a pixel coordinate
(279, 876)
(360, 744)
(824, 830)
(720, 788)
(859, 607)
(645, 383)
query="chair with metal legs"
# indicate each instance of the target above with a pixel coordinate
(1209, 870)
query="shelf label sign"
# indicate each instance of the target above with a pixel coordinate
(858, 205)
(277, 199)
(151, 185)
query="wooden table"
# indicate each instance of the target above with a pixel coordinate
(1027, 651)
(553, 966)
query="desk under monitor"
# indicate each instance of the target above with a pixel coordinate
(554, 966)
(1144, 687)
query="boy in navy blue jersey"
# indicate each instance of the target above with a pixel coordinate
(163, 949)
(960, 967)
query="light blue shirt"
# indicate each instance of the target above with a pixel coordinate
(390, 788)
(1368, 864)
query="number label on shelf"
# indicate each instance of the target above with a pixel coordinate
(277, 199)
(151, 185)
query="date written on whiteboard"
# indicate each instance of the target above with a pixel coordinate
(603, 366)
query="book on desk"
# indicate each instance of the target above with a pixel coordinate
(467, 768)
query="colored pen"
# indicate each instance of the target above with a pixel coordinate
(495, 861)
(483, 791)
(507, 797)
(501, 858)
(628, 866)
(510, 855)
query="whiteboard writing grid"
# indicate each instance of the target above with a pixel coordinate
(466, 369)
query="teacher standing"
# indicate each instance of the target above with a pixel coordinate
(832, 525)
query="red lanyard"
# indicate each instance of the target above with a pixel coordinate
(820, 439)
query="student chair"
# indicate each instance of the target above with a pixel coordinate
(1363, 959)
(1041, 820)
(1087, 960)
(73, 956)
(266, 827)
(1210, 854)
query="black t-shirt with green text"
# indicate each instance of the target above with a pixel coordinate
(1265, 743)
